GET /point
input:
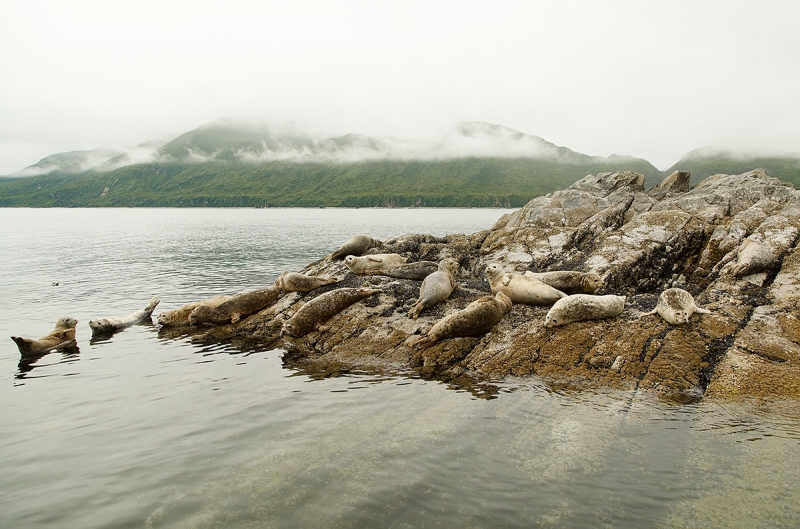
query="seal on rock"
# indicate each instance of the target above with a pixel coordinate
(237, 307)
(676, 306)
(355, 245)
(418, 270)
(380, 261)
(323, 307)
(581, 307)
(178, 317)
(568, 281)
(297, 282)
(474, 320)
(61, 337)
(436, 287)
(753, 257)
(109, 325)
(520, 288)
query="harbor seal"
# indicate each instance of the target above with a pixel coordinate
(61, 337)
(475, 319)
(323, 307)
(109, 325)
(568, 281)
(418, 270)
(520, 288)
(297, 282)
(436, 287)
(676, 306)
(380, 261)
(752, 258)
(355, 245)
(581, 307)
(237, 307)
(178, 317)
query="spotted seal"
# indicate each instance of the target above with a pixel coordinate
(436, 287)
(581, 307)
(109, 325)
(752, 258)
(568, 281)
(520, 288)
(355, 245)
(676, 306)
(475, 319)
(237, 307)
(178, 317)
(323, 307)
(61, 337)
(381, 261)
(297, 282)
(418, 270)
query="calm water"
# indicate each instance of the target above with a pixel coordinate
(142, 431)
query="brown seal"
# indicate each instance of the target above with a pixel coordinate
(109, 325)
(520, 288)
(568, 281)
(177, 317)
(355, 245)
(297, 282)
(475, 319)
(61, 337)
(581, 307)
(676, 306)
(418, 270)
(323, 307)
(237, 307)
(436, 287)
(380, 261)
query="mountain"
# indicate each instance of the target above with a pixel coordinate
(473, 164)
(707, 161)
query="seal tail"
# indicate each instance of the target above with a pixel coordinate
(413, 313)
(151, 306)
(422, 342)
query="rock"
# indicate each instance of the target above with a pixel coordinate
(640, 242)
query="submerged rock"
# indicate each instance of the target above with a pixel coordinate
(640, 243)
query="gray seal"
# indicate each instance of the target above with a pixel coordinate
(418, 270)
(676, 306)
(109, 325)
(179, 317)
(582, 307)
(436, 287)
(568, 281)
(520, 288)
(475, 319)
(355, 245)
(752, 258)
(323, 307)
(297, 282)
(381, 261)
(237, 307)
(61, 337)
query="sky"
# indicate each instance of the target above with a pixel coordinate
(652, 79)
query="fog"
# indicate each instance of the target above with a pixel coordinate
(653, 80)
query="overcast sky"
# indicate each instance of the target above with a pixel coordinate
(648, 79)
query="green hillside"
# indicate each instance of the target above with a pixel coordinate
(705, 165)
(462, 182)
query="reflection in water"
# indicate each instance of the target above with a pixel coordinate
(29, 361)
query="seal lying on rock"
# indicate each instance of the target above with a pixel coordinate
(297, 282)
(109, 325)
(320, 309)
(569, 282)
(381, 261)
(436, 287)
(237, 307)
(355, 245)
(176, 317)
(61, 337)
(581, 307)
(417, 270)
(474, 320)
(753, 257)
(520, 288)
(676, 306)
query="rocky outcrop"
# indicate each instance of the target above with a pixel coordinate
(640, 242)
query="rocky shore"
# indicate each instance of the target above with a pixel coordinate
(639, 241)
